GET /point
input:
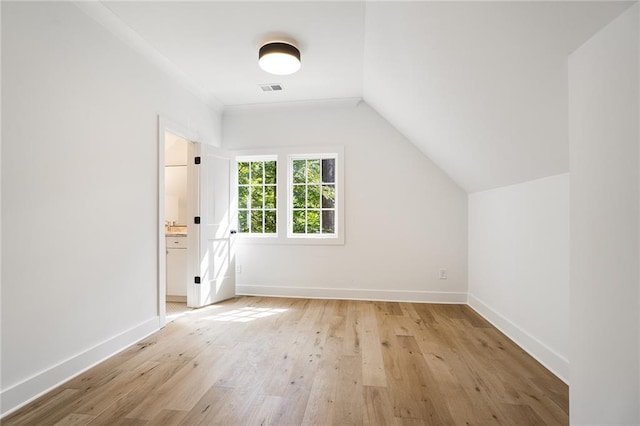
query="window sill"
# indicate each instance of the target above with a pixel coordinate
(284, 240)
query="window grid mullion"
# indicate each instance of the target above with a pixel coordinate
(250, 199)
(306, 197)
(263, 195)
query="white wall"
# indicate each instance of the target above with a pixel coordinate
(175, 201)
(603, 129)
(405, 219)
(175, 179)
(519, 265)
(80, 192)
(175, 150)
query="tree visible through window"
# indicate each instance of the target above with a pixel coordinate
(257, 197)
(313, 196)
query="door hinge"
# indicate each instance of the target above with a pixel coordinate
(197, 160)
(196, 220)
(196, 280)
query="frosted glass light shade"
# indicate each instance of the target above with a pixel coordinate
(279, 58)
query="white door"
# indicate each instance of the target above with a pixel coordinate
(213, 260)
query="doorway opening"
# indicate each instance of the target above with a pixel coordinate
(176, 206)
(195, 257)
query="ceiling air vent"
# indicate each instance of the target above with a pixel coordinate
(271, 87)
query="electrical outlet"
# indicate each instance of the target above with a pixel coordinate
(443, 274)
(238, 269)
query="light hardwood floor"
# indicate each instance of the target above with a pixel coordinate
(259, 361)
(176, 309)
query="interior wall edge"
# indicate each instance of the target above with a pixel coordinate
(22, 393)
(546, 356)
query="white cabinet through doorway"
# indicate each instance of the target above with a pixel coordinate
(177, 266)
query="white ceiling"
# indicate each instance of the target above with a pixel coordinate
(216, 44)
(479, 87)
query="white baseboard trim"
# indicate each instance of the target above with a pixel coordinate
(556, 363)
(353, 294)
(28, 390)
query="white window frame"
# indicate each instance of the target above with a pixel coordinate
(290, 208)
(236, 185)
(283, 201)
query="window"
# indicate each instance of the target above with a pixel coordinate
(312, 196)
(304, 185)
(257, 196)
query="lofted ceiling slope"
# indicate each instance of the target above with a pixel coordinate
(480, 87)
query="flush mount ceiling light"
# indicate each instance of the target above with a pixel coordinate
(279, 58)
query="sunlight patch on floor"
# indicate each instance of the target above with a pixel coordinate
(245, 314)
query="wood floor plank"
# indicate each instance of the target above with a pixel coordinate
(390, 308)
(548, 385)
(312, 312)
(378, 406)
(302, 374)
(426, 396)
(322, 398)
(148, 377)
(234, 407)
(186, 387)
(280, 361)
(44, 409)
(352, 330)
(349, 407)
(262, 411)
(75, 419)
(94, 403)
(373, 373)
(207, 407)
(167, 418)
(460, 404)
(524, 413)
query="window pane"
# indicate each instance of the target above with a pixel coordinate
(243, 197)
(270, 197)
(269, 172)
(313, 221)
(328, 196)
(256, 197)
(243, 221)
(299, 200)
(329, 170)
(313, 197)
(256, 221)
(299, 220)
(256, 172)
(270, 222)
(328, 222)
(313, 171)
(299, 173)
(243, 173)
